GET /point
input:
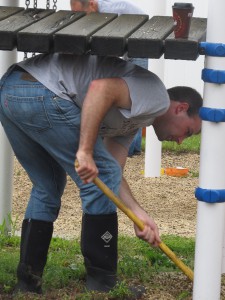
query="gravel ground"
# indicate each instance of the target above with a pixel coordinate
(169, 200)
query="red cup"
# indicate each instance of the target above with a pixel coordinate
(182, 14)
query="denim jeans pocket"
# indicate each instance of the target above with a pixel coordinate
(27, 112)
(68, 111)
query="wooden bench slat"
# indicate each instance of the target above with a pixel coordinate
(7, 11)
(44, 30)
(148, 40)
(75, 38)
(10, 26)
(38, 37)
(112, 39)
(187, 49)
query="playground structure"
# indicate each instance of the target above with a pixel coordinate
(210, 193)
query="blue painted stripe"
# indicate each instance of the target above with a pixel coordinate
(210, 196)
(212, 49)
(213, 76)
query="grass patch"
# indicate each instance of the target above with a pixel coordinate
(64, 273)
(191, 144)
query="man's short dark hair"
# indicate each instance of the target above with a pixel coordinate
(189, 95)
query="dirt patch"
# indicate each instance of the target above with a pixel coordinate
(169, 200)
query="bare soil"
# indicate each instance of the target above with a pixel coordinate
(169, 200)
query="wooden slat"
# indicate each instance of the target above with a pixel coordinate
(112, 39)
(39, 36)
(187, 49)
(75, 38)
(148, 40)
(7, 11)
(40, 30)
(10, 26)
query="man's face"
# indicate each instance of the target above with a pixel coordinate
(77, 6)
(176, 125)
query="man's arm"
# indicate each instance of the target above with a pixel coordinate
(101, 96)
(150, 232)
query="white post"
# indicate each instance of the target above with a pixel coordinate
(153, 153)
(211, 217)
(153, 147)
(6, 155)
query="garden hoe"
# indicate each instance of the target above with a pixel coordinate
(185, 269)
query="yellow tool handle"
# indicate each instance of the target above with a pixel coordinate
(185, 269)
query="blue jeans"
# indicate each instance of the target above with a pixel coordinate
(135, 146)
(43, 131)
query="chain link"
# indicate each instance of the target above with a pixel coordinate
(47, 4)
(27, 3)
(54, 5)
(35, 3)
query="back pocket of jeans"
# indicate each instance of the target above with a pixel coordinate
(28, 112)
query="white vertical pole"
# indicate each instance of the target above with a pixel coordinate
(211, 217)
(153, 147)
(153, 152)
(6, 155)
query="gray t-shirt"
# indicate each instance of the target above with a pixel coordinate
(69, 76)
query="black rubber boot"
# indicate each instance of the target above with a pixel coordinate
(99, 238)
(99, 247)
(35, 240)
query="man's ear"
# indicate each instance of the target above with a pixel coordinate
(181, 107)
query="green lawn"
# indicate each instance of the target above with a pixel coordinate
(65, 273)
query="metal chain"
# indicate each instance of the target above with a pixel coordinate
(27, 3)
(47, 4)
(54, 5)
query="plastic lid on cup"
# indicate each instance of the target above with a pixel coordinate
(181, 5)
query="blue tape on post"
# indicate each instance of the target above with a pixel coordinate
(212, 49)
(212, 114)
(213, 76)
(210, 196)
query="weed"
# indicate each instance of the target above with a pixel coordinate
(8, 226)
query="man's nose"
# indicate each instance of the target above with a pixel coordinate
(180, 140)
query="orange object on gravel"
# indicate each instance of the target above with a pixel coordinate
(177, 172)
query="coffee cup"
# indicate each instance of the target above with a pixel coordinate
(182, 14)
